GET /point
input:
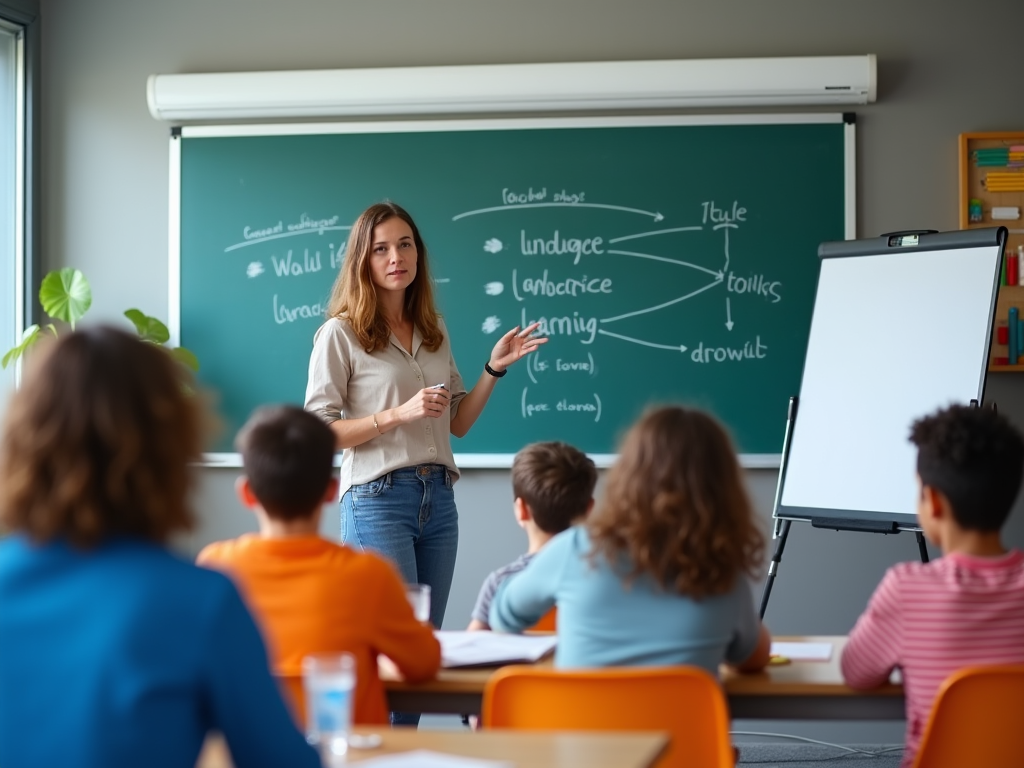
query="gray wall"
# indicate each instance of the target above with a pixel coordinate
(105, 168)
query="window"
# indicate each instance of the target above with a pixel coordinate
(12, 198)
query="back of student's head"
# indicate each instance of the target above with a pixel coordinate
(288, 456)
(675, 505)
(556, 481)
(98, 441)
(975, 457)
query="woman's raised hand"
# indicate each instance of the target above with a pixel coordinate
(514, 345)
(428, 403)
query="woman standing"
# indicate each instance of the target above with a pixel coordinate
(382, 375)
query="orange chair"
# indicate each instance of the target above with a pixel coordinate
(686, 702)
(548, 622)
(976, 720)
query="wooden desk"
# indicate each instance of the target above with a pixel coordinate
(801, 690)
(526, 749)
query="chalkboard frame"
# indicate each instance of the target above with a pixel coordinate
(817, 472)
(482, 460)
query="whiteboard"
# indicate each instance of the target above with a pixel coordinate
(897, 331)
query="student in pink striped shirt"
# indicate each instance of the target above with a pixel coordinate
(967, 607)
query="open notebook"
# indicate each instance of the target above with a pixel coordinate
(488, 649)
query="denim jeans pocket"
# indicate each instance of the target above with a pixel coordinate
(372, 489)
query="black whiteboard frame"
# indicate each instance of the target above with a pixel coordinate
(480, 460)
(865, 520)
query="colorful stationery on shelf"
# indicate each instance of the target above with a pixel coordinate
(1004, 182)
(1009, 157)
(490, 649)
(1012, 156)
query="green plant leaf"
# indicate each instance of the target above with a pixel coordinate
(65, 295)
(28, 338)
(149, 328)
(186, 358)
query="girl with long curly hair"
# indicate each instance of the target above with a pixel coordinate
(656, 575)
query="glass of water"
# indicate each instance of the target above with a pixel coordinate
(419, 599)
(329, 680)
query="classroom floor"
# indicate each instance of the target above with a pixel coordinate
(818, 756)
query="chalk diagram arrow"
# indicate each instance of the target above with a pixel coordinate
(726, 228)
(669, 303)
(519, 206)
(655, 232)
(728, 314)
(718, 275)
(674, 348)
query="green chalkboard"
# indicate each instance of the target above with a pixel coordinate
(670, 259)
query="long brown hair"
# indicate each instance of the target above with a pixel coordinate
(98, 441)
(675, 506)
(354, 295)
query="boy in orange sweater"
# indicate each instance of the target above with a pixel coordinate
(310, 595)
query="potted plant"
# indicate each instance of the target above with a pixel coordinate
(65, 295)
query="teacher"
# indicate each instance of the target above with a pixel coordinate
(375, 377)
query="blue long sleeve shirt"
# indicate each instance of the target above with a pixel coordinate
(604, 622)
(125, 655)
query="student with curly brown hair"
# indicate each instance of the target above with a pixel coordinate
(114, 651)
(656, 574)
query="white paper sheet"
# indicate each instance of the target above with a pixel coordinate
(803, 651)
(425, 758)
(469, 649)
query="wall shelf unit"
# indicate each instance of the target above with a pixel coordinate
(972, 187)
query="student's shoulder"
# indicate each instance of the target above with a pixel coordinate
(227, 551)
(360, 567)
(575, 538)
(906, 580)
(510, 569)
(177, 587)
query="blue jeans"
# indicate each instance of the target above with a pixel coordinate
(409, 516)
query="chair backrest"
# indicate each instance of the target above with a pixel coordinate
(977, 719)
(548, 622)
(686, 702)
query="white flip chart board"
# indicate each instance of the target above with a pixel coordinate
(901, 326)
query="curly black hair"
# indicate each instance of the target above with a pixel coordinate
(975, 457)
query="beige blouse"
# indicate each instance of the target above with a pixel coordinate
(346, 382)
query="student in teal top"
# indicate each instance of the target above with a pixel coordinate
(655, 576)
(114, 652)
